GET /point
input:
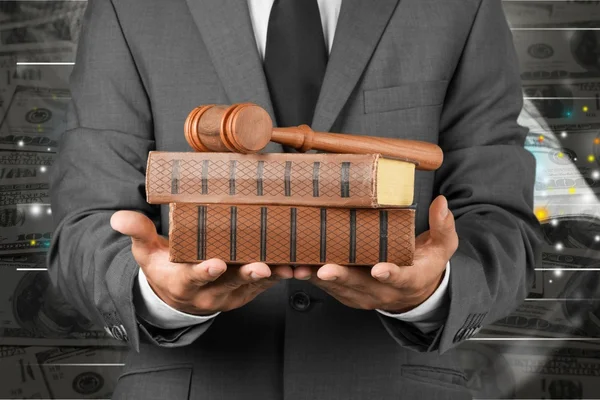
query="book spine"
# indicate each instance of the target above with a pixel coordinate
(326, 180)
(243, 234)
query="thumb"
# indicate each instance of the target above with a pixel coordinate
(442, 229)
(136, 225)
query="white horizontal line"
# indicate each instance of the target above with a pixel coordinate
(559, 98)
(560, 299)
(44, 63)
(555, 29)
(529, 1)
(86, 365)
(101, 398)
(32, 269)
(514, 339)
(563, 269)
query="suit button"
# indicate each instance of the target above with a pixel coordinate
(300, 301)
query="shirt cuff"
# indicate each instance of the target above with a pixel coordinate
(156, 312)
(431, 314)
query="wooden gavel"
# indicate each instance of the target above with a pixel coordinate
(247, 128)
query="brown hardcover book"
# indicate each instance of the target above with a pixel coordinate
(321, 180)
(291, 235)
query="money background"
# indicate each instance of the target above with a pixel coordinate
(549, 348)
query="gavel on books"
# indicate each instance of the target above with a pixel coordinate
(247, 128)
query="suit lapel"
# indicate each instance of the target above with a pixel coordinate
(227, 32)
(360, 26)
(228, 35)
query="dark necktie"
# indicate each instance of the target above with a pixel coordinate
(295, 60)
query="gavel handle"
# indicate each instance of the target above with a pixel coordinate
(426, 156)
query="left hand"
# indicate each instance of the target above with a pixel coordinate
(387, 286)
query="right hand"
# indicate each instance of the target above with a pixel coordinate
(199, 289)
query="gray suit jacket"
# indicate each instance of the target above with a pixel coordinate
(442, 71)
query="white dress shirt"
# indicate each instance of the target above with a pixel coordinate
(427, 317)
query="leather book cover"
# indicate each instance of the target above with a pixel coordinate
(321, 180)
(291, 235)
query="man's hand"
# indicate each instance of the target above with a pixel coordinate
(387, 286)
(200, 289)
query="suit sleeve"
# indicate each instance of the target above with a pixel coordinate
(100, 170)
(488, 179)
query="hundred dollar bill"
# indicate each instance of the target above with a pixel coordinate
(74, 373)
(25, 228)
(557, 175)
(24, 193)
(23, 173)
(580, 233)
(566, 166)
(13, 74)
(33, 312)
(24, 184)
(531, 370)
(24, 177)
(558, 54)
(27, 158)
(574, 209)
(540, 137)
(565, 260)
(565, 104)
(50, 31)
(544, 320)
(21, 11)
(553, 318)
(565, 302)
(560, 272)
(559, 169)
(22, 376)
(34, 119)
(553, 13)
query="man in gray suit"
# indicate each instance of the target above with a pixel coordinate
(442, 71)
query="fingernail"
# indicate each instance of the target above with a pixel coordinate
(305, 278)
(382, 277)
(215, 271)
(330, 278)
(444, 212)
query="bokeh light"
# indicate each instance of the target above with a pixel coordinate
(36, 209)
(541, 213)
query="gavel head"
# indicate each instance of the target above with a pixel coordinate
(241, 128)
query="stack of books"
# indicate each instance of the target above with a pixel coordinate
(280, 208)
